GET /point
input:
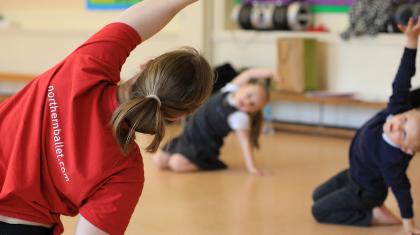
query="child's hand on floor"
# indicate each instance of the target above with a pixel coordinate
(410, 227)
(256, 171)
(411, 32)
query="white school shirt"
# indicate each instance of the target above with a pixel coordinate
(387, 139)
(237, 120)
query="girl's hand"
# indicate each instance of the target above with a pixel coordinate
(148, 17)
(256, 73)
(261, 73)
(278, 78)
(255, 171)
(410, 228)
(411, 32)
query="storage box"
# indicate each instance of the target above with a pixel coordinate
(297, 65)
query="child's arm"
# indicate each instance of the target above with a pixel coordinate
(84, 227)
(255, 73)
(401, 189)
(394, 168)
(411, 32)
(149, 16)
(402, 82)
(245, 142)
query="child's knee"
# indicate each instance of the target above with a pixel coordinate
(179, 163)
(161, 160)
(318, 213)
(176, 163)
(316, 195)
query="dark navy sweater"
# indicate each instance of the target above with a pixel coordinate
(209, 124)
(375, 164)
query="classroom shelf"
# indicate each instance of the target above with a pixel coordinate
(314, 130)
(14, 82)
(351, 102)
(332, 116)
(225, 29)
(251, 36)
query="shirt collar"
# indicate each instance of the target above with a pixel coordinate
(389, 141)
(230, 100)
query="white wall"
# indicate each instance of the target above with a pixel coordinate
(45, 31)
(362, 66)
(365, 65)
(41, 33)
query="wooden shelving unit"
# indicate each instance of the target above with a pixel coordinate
(246, 36)
(276, 95)
(322, 102)
(19, 79)
(314, 130)
(226, 29)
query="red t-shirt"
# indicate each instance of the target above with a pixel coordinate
(58, 155)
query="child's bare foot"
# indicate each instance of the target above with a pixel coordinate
(383, 216)
(161, 160)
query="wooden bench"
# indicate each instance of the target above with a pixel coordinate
(275, 95)
(322, 101)
(11, 83)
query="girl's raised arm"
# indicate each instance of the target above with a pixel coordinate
(245, 142)
(255, 73)
(84, 227)
(149, 16)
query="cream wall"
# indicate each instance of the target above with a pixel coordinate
(41, 33)
(365, 65)
(41, 36)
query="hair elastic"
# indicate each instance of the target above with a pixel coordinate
(156, 98)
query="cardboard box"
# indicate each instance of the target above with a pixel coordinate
(297, 65)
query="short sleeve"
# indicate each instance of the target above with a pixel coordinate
(239, 121)
(111, 207)
(111, 45)
(230, 87)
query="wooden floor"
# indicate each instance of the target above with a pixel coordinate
(232, 202)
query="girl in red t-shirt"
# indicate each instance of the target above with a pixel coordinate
(71, 149)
